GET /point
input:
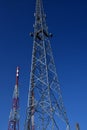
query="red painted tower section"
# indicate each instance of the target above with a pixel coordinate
(14, 113)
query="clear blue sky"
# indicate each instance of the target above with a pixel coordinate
(67, 20)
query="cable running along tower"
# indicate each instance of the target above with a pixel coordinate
(45, 108)
(14, 113)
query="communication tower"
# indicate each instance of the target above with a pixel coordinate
(14, 113)
(45, 106)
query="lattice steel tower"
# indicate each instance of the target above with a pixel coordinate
(14, 113)
(45, 106)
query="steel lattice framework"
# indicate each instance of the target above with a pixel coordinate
(45, 105)
(14, 113)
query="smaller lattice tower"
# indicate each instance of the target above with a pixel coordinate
(14, 113)
(77, 126)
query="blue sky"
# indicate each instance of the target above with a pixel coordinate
(67, 20)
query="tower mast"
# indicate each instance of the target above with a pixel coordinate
(45, 106)
(14, 113)
(77, 126)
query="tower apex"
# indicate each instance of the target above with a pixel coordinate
(17, 75)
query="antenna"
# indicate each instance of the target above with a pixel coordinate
(14, 113)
